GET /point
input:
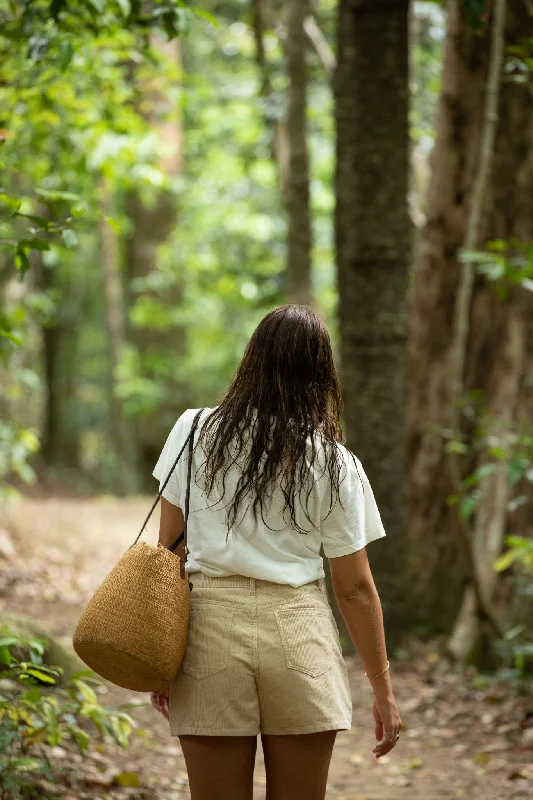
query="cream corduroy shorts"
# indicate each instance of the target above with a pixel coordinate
(261, 657)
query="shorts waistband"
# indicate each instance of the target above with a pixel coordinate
(251, 585)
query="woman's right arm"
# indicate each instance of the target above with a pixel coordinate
(360, 606)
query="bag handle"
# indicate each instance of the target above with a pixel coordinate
(190, 441)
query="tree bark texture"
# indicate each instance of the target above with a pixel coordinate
(299, 235)
(373, 244)
(499, 353)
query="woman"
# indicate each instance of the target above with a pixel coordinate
(271, 484)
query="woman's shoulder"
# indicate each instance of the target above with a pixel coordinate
(187, 417)
(325, 448)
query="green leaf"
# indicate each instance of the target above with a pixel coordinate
(512, 633)
(113, 223)
(80, 737)
(86, 691)
(468, 505)
(130, 779)
(125, 7)
(8, 335)
(21, 260)
(5, 655)
(42, 676)
(96, 5)
(35, 244)
(66, 51)
(456, 447)
(200, 12)
(504, 561)
(70, 238)
(33, 695)
(88, 675)
(9, 640)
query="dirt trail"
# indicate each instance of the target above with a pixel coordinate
(459, 741)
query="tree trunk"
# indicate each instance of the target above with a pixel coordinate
(499, 348)
(151, 228)
(299, 235)
(121, 438)
(373, 243)
(60, 434)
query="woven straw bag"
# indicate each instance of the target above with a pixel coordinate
(133, 631)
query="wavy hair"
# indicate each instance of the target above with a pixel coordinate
(283, 401)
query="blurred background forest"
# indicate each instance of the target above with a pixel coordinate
(169, 173)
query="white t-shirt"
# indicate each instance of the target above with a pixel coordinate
(276, 553)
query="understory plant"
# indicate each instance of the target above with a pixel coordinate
(35, 711)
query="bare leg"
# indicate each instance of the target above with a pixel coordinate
(297, 766)
(220, 767)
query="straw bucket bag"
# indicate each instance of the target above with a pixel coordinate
(133, 631)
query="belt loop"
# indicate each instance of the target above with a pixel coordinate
(252, 586)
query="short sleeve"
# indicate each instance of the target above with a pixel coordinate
(169, 453)
(350, 527)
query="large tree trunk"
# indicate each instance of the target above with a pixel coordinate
(299, 237)
(499, 349)
(373, 242)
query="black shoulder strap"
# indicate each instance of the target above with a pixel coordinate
(190, 441)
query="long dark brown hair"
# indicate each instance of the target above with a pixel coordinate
(284, 395)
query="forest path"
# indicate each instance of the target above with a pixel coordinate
(458, 742)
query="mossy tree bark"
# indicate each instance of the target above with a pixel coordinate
(499, 349)
(373, 243)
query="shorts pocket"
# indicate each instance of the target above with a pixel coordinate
(306, 638)
(207, 642)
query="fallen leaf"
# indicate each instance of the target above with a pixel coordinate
(127, 779)
(481, 758)
(415, 763)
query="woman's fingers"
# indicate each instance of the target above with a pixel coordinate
(387, 742)
(160, 702)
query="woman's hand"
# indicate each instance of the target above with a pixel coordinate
(388, 724)
(160, 702)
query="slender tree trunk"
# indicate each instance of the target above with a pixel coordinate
(373, 242)
(121, 437)
(299, 235)
(278, 128)
(60, 435)
(498, 348)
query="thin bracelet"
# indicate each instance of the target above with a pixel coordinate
(379, 673)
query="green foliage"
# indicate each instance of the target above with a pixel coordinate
(519, 66)
(44, 23)
(512, 451)
(505, 263)
(81, 110)
(34, 712)
(475, 13)
(520, 552)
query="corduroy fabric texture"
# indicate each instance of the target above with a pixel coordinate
(133, 631)
(261, 657)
